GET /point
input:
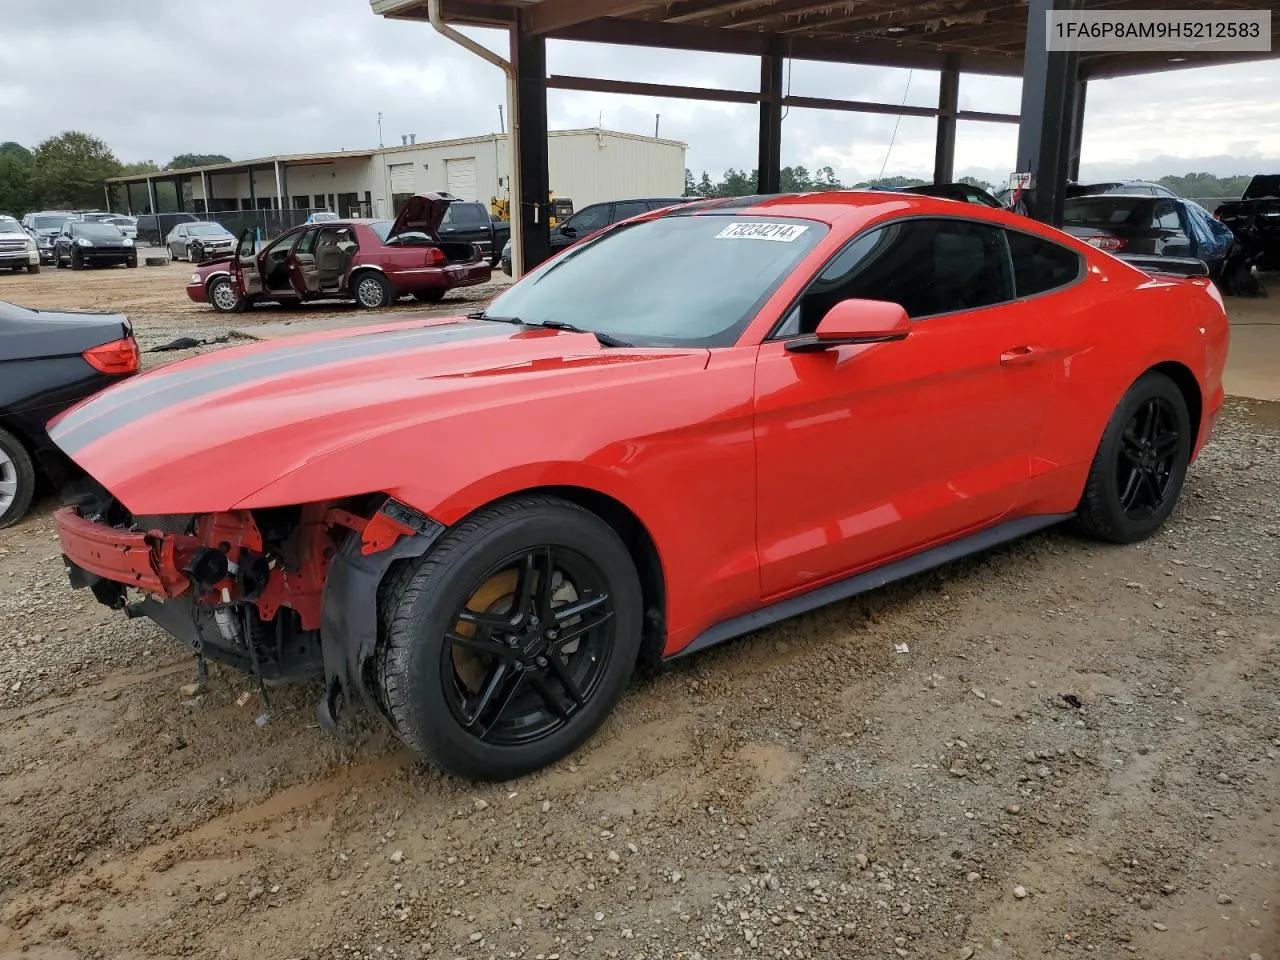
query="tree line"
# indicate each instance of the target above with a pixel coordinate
(68, 172)
(741, 183)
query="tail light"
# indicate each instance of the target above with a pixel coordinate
(435, 257)
(1107, 243)
(116, 358)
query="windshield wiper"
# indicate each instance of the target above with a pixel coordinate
(606, 340)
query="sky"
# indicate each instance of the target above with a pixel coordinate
(253, 78)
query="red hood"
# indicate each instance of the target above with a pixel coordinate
(204, 434)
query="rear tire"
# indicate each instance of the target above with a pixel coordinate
(223, 296)
(372, 290)
(551, 678)
(17, 479)
(1141, 463)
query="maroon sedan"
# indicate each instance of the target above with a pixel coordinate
(373, 262)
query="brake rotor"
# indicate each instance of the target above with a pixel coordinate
(494, 596)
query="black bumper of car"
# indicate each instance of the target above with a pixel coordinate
(95, 256)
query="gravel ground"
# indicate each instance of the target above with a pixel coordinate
(1076, 757)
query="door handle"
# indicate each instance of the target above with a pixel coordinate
(1028, 353)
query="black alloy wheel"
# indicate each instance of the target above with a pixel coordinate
(524, 664)
(1138, 472)
(507, 645)
(1148, 451)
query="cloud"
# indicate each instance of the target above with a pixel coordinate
(249, 78)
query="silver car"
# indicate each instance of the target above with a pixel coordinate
(199, 241)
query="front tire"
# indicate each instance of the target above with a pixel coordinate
(429, 296)
(1141, 463)
(224, 297)
(17, 479)
(372, 290)
(77, 261)
(33, 268)
(507, 645)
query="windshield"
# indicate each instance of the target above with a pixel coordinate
(1263, 185)
(49, 223)
(676, 281)
(207, 230)
(97, 231)
(9, 225)
(1107, 211)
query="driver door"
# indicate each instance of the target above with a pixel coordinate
(866, 453)
(244, 268)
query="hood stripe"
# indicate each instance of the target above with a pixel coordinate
(122, 406)
(137, 389)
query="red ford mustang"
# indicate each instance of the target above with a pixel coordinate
(373, 262)
(692, 425)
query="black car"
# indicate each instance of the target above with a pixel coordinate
(466, 221)
(961, 192)
(50, 361)
(596, 217)
(81, 245)
(1148, 226)
(154, 227)
(1255, 219)
(1131, 188)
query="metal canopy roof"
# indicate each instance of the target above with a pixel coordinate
(984, 36)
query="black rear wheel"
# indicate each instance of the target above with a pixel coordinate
(1138, 471)
(507, 646)
(429, 296)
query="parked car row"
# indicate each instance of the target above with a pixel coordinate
(18, 250)
(45, 226)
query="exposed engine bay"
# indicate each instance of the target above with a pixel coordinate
(244, 588)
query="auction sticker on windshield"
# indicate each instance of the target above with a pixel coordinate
(779, 232)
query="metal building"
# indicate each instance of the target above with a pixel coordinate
(586, 166)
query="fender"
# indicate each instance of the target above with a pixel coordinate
(349, 612)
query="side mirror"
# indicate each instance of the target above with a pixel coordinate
(855, 321)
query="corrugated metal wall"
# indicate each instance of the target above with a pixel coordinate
(591, 167)
(587, 167)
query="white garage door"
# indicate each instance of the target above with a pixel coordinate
(461, 176)
(402, 179)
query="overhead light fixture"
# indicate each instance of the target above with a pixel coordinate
(1177, 59)
(896, 30)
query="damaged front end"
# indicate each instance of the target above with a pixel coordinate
(283, 594)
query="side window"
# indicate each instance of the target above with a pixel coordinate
(307, 245)
(589, 220)
(1040, 265)
(1166, 216)
(929, 267)
(626, 209)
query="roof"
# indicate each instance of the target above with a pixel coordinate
(305, 158)
(986, 36)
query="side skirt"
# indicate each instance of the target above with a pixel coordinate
(869, 580)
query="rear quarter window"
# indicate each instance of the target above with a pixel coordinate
(1041, 265)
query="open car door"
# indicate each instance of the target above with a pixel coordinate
(304, 274)
(244, 268)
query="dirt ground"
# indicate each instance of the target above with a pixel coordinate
(1075, 755)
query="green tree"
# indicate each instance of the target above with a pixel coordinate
(690, 187)
(17, 189)
(71, 168)
(138, 169)
(980, 184)
(705, 187)
(184, 160)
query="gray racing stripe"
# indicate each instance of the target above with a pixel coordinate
(133, 390)
(91, 423)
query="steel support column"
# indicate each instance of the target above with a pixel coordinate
(769, 164)
(529, 129)
(151, 197)
(1077, 130)
(1049, 84)
(944, 156)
